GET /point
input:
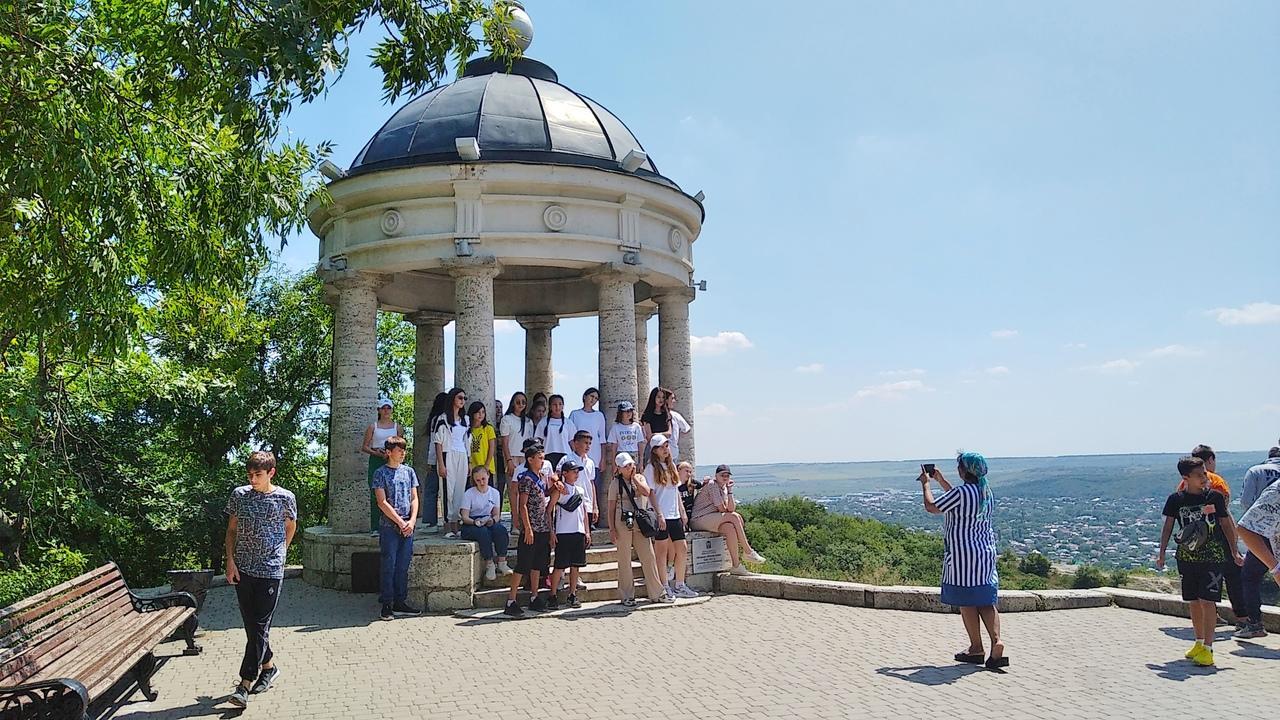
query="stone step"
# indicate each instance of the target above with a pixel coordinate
(598, 538)
(595, 592)
(594, 572)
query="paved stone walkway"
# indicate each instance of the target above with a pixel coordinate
(732, 657)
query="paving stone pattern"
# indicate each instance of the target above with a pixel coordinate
(731, 657)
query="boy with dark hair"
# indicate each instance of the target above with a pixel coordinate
(395, 488)
(531, 517)
(570, 509)
(1206, 542)
(261, 521)
(1230, 571)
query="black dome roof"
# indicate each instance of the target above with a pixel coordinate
(524, 115)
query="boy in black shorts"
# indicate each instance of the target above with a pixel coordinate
(532, 516)
(570, 510)
(1206, 543)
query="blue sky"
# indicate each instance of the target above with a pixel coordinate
(1019, 228)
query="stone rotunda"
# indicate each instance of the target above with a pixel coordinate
(502, 195)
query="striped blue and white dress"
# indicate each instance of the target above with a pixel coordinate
(969, 577)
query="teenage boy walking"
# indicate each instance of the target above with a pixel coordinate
(261, 521)
(1206, 542)
(395, 487)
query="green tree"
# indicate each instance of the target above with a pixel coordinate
(142, 148)
(1088, 576)
(1035, 564)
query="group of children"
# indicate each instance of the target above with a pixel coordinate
(1207, 538)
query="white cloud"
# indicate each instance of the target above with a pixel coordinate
(1259, 313)
(719, 344)
(715, 410)
(1004, 334)
(913, 372)
(1075, 346)
(893, 389)
(811, 368)
(998, 370)
(1121, 366)
(1179, 351)
(505, 327)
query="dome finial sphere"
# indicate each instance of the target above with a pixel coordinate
(522, 24)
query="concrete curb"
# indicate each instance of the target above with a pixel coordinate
(593, 609)
(898, 597)
(1175, 606)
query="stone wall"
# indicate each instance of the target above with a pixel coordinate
(442, 574)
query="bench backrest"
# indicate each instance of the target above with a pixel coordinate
(36, 632)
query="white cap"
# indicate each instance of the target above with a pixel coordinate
(658, 440)
(384, 402)
(623, 459)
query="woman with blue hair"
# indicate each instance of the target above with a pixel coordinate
(969, 579)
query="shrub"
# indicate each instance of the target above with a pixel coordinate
(1118, 578)
(55, 566)
(1088, 576)
(1035, 564)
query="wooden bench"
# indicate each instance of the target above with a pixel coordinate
(63, 649)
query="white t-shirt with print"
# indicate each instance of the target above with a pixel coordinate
(481, 505)
(556, 434)
(666, 498)
(627, 438)
(576, 521)
(587, 479)
(1263, 516)
(509, 429)
(594, 423)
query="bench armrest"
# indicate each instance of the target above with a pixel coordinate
(161, 602)
(61, 698)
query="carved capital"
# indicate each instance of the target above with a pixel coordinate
(478, 266)
(429, 318)
(342, 280)
(538, 322)
(614, 272)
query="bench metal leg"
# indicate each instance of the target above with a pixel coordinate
(189, 634)
(146, 667)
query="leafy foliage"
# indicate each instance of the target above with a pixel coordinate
(60, 565)
(141, 143)
(1035, 564)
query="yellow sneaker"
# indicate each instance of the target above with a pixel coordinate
(1194, 651)
(1204, 658)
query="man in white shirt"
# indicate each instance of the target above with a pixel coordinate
(580, 449)
(589, 418)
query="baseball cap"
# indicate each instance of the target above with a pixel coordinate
(723, 469)
(658, 440)
(622, 460)
(626, 405)
(384, 402)
(568, 463)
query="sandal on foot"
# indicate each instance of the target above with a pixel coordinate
(971, 658)
(995, 663)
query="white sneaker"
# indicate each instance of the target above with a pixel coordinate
(581, 584)
(666, 599)
(504, 568)
(684, 591)
(489, 572)
(740, 570)
(756, 557)
(451, 536)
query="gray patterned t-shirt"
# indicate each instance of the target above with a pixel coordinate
(1263, 517)
(260, 519)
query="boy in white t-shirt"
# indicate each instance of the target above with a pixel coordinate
(572, 529)
(593, 421)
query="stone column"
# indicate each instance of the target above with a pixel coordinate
(538, 374)
(644, 381)
(675, 363)
(428, 376)
(617, 313)
(473, 329)
(352, 397)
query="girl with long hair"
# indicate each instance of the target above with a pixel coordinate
(654, 419)
(452, 456)
(669, 544)
(430, 486)
(630, 493)
(513, 429)
(556, 431)
(481, 440)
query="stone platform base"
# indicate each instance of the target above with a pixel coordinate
(442, 575)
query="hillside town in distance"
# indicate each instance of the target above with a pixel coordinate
(1114, 532)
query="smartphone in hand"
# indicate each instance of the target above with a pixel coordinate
(927, 469)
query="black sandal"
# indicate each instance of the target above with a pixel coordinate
(972, 659)
(997, 663)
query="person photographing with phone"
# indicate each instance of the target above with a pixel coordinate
(969, 578)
